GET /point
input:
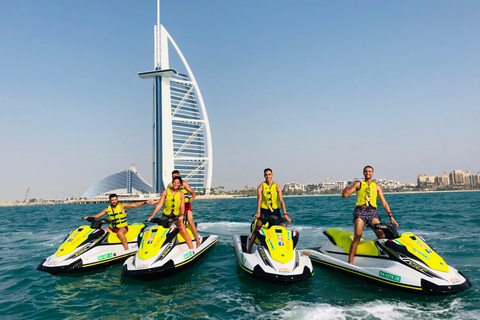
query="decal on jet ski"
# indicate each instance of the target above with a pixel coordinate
(81, 251)
(187, 255)
(284, 270)
(271, 244)
(416, 266)
(455, 280)
(423, 255)
(389, 276)
(104, 256)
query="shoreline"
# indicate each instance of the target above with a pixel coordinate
(224, 196)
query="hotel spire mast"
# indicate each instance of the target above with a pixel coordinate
(181, 131)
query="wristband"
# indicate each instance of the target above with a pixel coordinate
(144, 202)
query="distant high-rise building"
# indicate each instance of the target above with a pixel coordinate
(127, 181)
(181, 131)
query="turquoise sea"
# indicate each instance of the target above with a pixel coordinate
(216, 288)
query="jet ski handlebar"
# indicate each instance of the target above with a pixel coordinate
(96, 223)
(388, 228)
(272, 219)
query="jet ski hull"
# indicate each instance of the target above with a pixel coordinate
(392, 269)
(178, 258)
(86, 249)
(87, 262)
(260, 265)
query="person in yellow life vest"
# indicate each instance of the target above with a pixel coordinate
(173, 202)
(365, 212)
(269, 201)
(189, 197)
(118, 217)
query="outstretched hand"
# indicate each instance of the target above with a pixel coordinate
(287, 218)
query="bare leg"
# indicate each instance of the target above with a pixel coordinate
(184, 233)
(121, 235)
(252, 237)
(194, 228)
(358, 230)
(379, 233)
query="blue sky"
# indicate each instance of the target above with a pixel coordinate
(312, 89)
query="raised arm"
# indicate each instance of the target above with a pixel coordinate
(159, 205)
(98, 215)
(347, 192)
(136, 204)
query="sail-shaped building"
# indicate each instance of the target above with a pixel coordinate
(181, 131)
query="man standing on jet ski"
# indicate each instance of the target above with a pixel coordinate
(118, 217)
(173, 202)
(269, 201)
(366, 208)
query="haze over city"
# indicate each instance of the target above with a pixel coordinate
(311, 89)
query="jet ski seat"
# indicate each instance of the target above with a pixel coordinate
(133, 231)
(343, 239)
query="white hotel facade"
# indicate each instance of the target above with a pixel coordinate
(181, 131)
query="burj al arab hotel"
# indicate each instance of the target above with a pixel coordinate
(181, 132)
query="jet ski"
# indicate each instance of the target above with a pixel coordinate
(90, 247)
(273, 257)
(402, 262)
(163, 251)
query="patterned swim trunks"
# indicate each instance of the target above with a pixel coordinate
(366, 214)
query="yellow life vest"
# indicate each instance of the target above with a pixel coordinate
(185, 192)
(117, 217)
(270, 196)
(172, 203)
(367, 195)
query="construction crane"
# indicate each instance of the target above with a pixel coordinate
(327, 179)
(26, 196)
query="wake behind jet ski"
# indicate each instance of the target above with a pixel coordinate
(405, 263)
(89, 247)
(163, 251)
(273, 256)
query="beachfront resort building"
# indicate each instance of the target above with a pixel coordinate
(454, 178)
(127, 181)
(181, 131)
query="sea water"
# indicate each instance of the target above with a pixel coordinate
(216, 287)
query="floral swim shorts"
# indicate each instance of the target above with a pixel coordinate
(366, 214)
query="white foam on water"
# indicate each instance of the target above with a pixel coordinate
(224, 227)
(378, 309)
